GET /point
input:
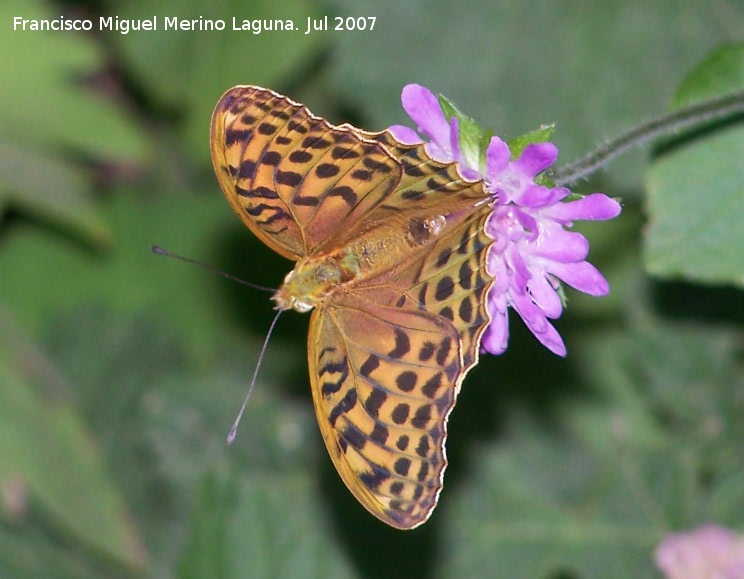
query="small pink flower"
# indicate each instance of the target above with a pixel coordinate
(533, 250)
(708, 552)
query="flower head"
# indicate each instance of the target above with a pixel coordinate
(708, 551)
(533, 250)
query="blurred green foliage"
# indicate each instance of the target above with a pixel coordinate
(120, 372)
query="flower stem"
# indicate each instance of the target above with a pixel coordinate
(675, 121)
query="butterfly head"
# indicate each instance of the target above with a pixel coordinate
(307, 285)
(287, 302)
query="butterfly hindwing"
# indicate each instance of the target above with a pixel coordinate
(385, 436)
(386, 364)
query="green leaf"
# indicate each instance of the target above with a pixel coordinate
(540, 506)
(720, 73)
(31, 255)
(591, 493)
(45, 448)
(44, 102)
(262, 526)
(48, 188)
(45, 107)
(696, 190)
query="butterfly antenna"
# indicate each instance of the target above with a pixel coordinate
(157, 250)
(234, 430)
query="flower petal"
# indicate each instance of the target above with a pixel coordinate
(545, 297)
(561, 245)
(531, 313)
(594, 207)
(405, 135)
(423, 107)
(496, 337)
(497, 158)
(552, 340)
(536, 158)
(582, 276)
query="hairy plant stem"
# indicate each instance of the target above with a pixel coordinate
(676, 121)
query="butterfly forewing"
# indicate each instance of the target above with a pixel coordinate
(391, 339)
(293, 178)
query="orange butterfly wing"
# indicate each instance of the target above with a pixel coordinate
(292, 177)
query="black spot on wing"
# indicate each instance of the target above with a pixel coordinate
(306, 200)
(354, 436)
(373, 480)
(427, 351)
(402, 345)
(402, 442)
(412, 170)
(266, 129)
(340, 152)
(374, 402)
(315, 143)
(423, 471)
(346, 193)
(400, 413)
(466, 275)
(466, 310)
(406, 381)
(247, 169)
(289, 178)
(346, 404)
(271, 158)
(423, 447)
(396, 488)
(233, 136)
(379, 434)
(369, 365)
(445, 288)
(361, 175)
(330, 387)
(402, 465)
(446, 312)
(298, 127)
(326, 170)
(422, 416)
(444, 351)
(300, 157)
(443, 257)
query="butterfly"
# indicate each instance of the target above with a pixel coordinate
(390, 249)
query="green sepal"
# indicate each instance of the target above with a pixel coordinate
(472, 139)
(517, 145)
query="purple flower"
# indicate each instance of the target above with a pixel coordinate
(532, 250)
(708, 551)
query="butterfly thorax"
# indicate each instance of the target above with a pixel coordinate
(374, 253)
